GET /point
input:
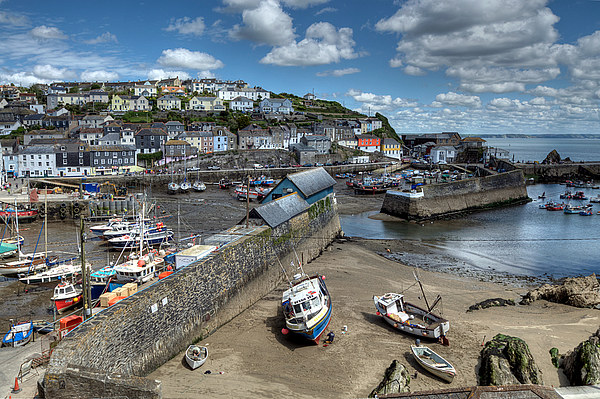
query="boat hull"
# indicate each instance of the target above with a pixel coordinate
(62, 305)
(19, 334)
(433, 363)
(314, 334)
(434, 332)
(196, 361)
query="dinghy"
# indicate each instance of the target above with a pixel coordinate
(19, 334)
(195, 356)
(433, 362)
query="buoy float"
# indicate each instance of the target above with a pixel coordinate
(378, 314)
(395, 325)
(285, 331)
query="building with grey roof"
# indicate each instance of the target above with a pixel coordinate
(37, 161)
(312, 185)
(278, 211)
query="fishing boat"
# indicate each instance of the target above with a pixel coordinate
(173, 188)
(31, 262)
(58, 273)
(195, 356)
(19, 334)
(595, 199)
(138, 269)
(566, 195)
(433, 362)
(23, 215)
(242, 192)
(555, 207)
(579, 195)
(586, 212)
(198, 186)
(369, 189)
(112, 223)
(128, 228)
(410, 318)
(66, 296)
(185, 187)
(572, 209)
(307, 307)
(150, 238)
(224, 184)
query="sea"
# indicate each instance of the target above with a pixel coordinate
(520, 240)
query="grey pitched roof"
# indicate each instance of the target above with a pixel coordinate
(280, 210)
(111, 137)
(174, 123)
(312, 181)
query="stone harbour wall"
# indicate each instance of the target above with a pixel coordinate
(140, 333)
(445, 199)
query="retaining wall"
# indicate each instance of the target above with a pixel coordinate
(444, 199)
(142, 332)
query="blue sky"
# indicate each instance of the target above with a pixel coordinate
(472, 66)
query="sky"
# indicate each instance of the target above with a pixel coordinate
(471, 66)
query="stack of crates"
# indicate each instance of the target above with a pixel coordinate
(105, 298)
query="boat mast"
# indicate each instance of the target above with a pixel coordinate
(422, 291)
(18, 236)
(142, 227)
(84, 273)
(46, 222)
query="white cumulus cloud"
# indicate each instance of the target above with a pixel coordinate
(157, 74)
(49, 72)
(99, 76)
(456, 99)
(265, 24)
(323, 44)
(184, 58)
(48, 32)
(106, 37)
(187, 26)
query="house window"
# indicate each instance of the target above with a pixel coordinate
(64, 155)
(63, 148)
(39, 164)
(105, 153)
(81, 155)
(102, 161)
(81, 162)
(95, 162)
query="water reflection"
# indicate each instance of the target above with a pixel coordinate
(519, 240)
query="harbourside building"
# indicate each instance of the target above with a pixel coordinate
(311, 185)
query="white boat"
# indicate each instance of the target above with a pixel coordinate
(198, 186)
(31, 262)
(595, 199)
(195, 356)
(112, 223)
(307, 306)
(56, 273)
(173, 188)
(412, 319)
(19, 334)
(155, 237)
(185, 187)
(138, 270)
(433, 363)
(241, 191)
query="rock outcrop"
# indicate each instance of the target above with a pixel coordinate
(506, 360)
(395, 380)
(488, 303)
(552, 157)
(582, 365)
(581, 292)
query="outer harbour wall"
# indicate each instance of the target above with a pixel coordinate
(109, 354)
(445, 199)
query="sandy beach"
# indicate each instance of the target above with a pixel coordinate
(257, 361)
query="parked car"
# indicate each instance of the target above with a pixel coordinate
(307, 165)
(214, 167)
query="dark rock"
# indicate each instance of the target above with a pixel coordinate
(552, 157)
(582, 365)
(488, 303)
(567, 160)
(395, 380)
(581, 292)
(506, 360)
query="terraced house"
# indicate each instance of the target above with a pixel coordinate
(206, 104)
(167, 103)
(121, 103)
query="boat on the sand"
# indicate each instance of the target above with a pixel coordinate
(19, 334)
(195, 356)
(433, 362)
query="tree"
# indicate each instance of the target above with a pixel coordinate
(74, 89)
(243, 121)
(95, 86)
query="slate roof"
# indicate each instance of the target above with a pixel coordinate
(312, 181)
(280, 210)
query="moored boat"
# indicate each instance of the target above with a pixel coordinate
(307, 307)
(572, 209)
(242, 192)
(224, 184)
(586, 212)
(138, 270)
(150, 238)
(198, 186)
(66, 296)
(52, 275)
(195, 356)
(100, 229)
(19, 334)
(23, 215)
(172, 188)
(410, 318)
(433, 362)
(31, 262)
(185, 187)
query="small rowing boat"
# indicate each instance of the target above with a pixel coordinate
(195, 356)
(433, 362)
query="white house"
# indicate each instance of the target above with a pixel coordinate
(241, 103)
(37, 160)
(254, 94)
(276, 106)
(442, 154)
(146, 90)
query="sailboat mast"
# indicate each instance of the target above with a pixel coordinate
(142, 227)
(46, 222)
(18, 236)
(84, 273)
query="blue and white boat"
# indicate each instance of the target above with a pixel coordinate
(112, 223)
(100, 281)
(19, 334)
(153, 237)
(307, 307)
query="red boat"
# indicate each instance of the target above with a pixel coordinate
(555, 207)
(66, 296)
(24, 215)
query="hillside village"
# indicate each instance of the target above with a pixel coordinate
(85, 129)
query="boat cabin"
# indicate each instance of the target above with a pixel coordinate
(393, 304)
(303, 301)
(62, 290)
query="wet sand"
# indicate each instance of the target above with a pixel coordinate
(258, 361)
